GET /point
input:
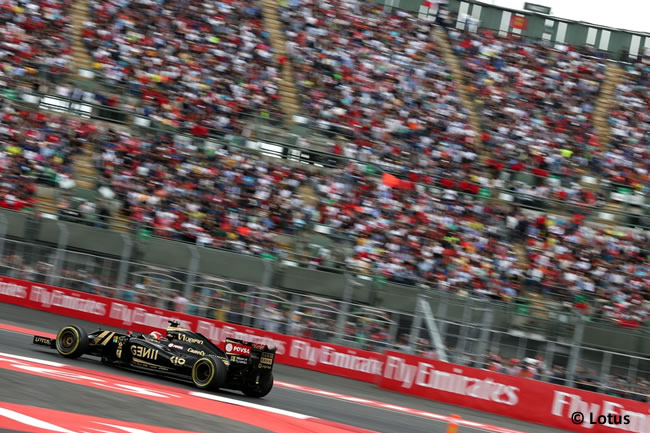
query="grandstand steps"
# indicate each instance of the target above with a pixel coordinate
(120, 223)
(452, 61)
(84, 171)
(606, 100)
(79, 15)
(289, 101)
(47, 200)
(612, 207)
(520, 252)
(308, 195)
(614, 75)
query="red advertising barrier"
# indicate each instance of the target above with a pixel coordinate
(298, 352)
(514, 397)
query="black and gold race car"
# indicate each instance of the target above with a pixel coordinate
(180, 354)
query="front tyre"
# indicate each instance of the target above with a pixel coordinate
(208, 373)
(72, 341)
(261, 389)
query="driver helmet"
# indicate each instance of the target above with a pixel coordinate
(156, 335)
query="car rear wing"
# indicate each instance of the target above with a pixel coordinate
(261, 355)
(44, 341)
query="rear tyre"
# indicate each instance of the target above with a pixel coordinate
(208, 373)
(72, 341)
(262, 389)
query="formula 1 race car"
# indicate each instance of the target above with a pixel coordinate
(181, 354)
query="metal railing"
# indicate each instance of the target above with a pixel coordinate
(292, 255)
(468, 338)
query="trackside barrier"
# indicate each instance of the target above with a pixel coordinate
(294, 351)
(515, 397)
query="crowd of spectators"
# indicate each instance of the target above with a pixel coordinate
(214, 198)
(34, 37)
(536, 102)
(609, 266)
(240, 201)
(236, 200)
(36, 148)
(193, 65)
(627, 157)
(378, 77)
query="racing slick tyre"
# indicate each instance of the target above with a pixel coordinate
(208, 373)
(264, 387)
(71, 341)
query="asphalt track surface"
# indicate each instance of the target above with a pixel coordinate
(25, 389)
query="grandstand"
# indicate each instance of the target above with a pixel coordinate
(302, 144)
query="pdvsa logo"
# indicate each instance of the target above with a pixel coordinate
(238, 349)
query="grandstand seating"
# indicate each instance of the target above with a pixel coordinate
(376, 77)
(223, 199)
(34, 34)
(534, 95)
(194, 66)
(626, 159)
(37, 148)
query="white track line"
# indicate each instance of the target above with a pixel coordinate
(34, 422)
(250, 405)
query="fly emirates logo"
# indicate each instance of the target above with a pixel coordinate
(426, 376)
(58, 298)
(326, 355)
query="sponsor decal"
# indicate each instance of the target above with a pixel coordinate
(330, 356)
(58, 298)
(239, 359)
(427, 376)
(13, 290)
(174, 346)
(177, 360)
(267, 361)
(42, 340)
(144, 352)
(115, 339)
(238, 349)
(191, 340)
(196, 352)
(118, 352)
